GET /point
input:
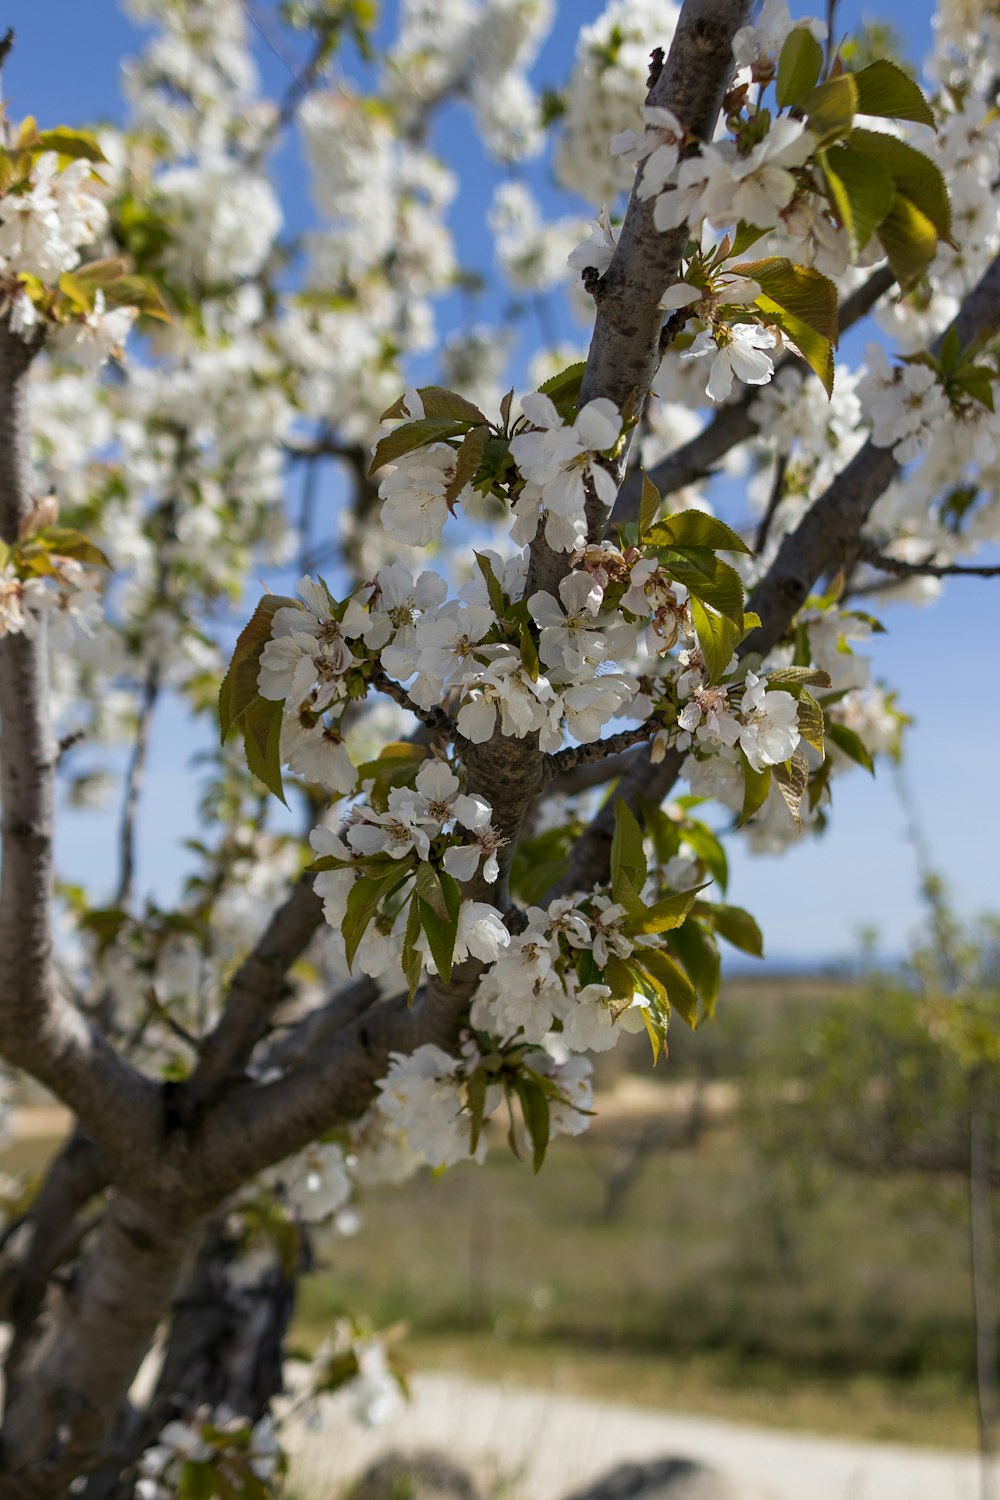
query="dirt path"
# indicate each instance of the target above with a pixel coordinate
(543, 1445)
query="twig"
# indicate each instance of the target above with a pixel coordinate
(777, 492)
(133, 785)
(598, 750)
(434, 718)
(926, 569)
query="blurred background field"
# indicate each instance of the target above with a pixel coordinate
(772, 1226)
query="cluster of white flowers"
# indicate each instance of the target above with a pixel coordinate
(603, 92)
(534, 987)
(481, 51)
(904, 404)
(764, 725)
(558, 461)
(43, 229)
(423, 1097)
(203, 1440)
(68, 598)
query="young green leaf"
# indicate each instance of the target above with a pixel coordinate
(717, 637)
(362, 903)
(861, 191)
(799, 66)
(884, 89)
(628, 854)
(239, 686)
(810, 720)
(679, 990)
(830, 107)
(851, 744)
(441, 934)
(756, 786)
(649, 504)
(693, 528)
(413, 435)
(260, 725)
(737, 927)
(791, 779)
(909, 240)
(665, 915)
(699, 953)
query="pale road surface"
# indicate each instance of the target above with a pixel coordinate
(545, 1445)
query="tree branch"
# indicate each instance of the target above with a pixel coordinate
(828, 536)
(39, 1030)
(625, 349)
(869, 553)
(435, 719)
(599, 750)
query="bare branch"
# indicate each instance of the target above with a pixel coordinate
(435, 719)
(133, 785)
(869, 553)
(599, 750)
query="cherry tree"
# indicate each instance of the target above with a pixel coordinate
(524, 630)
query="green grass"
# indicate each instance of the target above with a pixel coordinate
(839, 1304)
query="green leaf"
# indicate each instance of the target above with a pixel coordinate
(693, 528)
(65, 542)
(628, 854)
(810, 720)
(816, 350)
(397, 765)
(412, 435)
(362, 903)
(620, 979)
(884, 89)
(851, 744)
(563, 390)
(494, 592)
(737, 927)
(756, 786)
(708, 578)
(709, 850)
(794, 679)
(413, 963)
(799, 66)
(441, 403)
(860, 189)
(665, 915)
(699, 953)
(909, 240)
(830, 107)
(239, 686)
(80, 145)
(792, 778)
(914, 174)
(676, 985)
(441, 935)
(468, 462)
(649, 504)
(529, 652)
(260, 725)
(535, 1110)
(806, 293)
(717, 637)
(140, 292)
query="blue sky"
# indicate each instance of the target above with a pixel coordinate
(811, 902)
